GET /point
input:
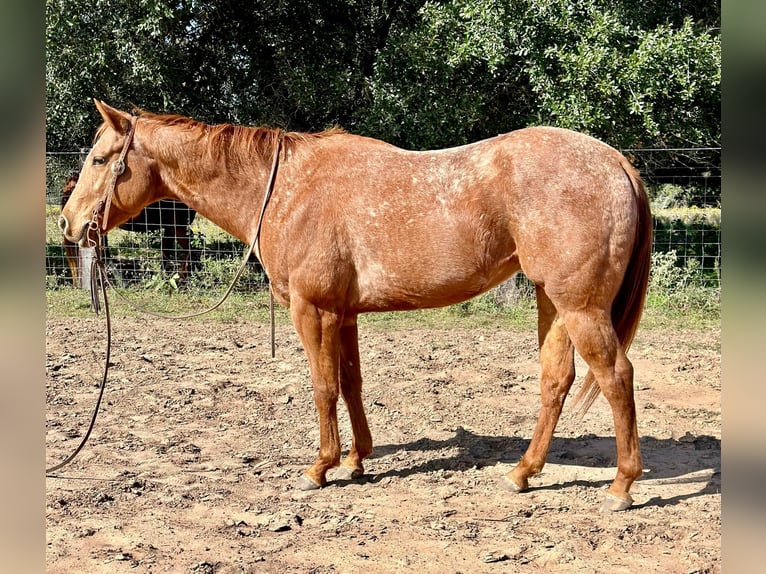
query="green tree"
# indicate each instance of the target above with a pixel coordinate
(124, 51)
(629, 86)
(418, 73)
(450, 75)
(301, 64)
(473, 68)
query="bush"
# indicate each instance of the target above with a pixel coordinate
(668, 195)
(212, 274)
(680, 287)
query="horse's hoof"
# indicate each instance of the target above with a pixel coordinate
(615, 503)
(347, 473)
(305, 482)
(507, 483)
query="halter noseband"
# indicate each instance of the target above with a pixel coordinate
(117, 168)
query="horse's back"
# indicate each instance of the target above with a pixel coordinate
(405, 229)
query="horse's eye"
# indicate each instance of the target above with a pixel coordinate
(99, 160)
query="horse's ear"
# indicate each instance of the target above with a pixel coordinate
(117, 120)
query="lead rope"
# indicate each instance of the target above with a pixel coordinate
(98, 271)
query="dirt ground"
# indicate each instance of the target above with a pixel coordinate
(202, 436)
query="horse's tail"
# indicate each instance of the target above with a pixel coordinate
(629, 303)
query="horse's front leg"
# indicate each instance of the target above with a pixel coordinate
(71, 253)
(319, 331)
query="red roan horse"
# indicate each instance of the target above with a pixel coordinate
(171, 218)
(357, 225)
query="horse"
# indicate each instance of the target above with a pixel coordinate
(171, 218)
(70, 248)
(356, 225)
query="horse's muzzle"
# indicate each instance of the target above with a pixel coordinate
(66, 229)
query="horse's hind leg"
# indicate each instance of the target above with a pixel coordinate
(596, 342)
(558, 372)
(351, 390)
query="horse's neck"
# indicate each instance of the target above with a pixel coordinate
(229, 198)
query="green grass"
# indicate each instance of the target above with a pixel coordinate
(663, 318)
(70, 302)
(463, 315)
(477, 313)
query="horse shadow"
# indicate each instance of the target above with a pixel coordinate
(670, 461)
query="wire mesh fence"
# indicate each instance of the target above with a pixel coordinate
(168, 246)
(680, 177)
(684, 185)
(171, 247)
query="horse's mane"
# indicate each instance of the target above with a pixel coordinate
(244, 141)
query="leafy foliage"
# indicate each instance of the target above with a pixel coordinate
(419, 73)
(679, 288)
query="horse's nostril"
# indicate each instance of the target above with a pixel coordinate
(63, 224)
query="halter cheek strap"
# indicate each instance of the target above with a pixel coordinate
(117, 168)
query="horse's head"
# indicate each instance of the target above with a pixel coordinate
(116, 182)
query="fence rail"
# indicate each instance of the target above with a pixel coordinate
(684, 186)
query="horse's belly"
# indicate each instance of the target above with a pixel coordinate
(427, 283)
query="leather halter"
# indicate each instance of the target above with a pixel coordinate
(116, 168)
